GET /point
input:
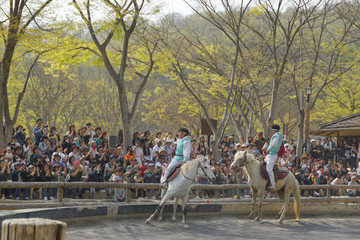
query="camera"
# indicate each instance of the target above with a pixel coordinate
(45, 126)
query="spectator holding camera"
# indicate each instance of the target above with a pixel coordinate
(28, 149)
(38, 131)
(5, 174)
(95, 176)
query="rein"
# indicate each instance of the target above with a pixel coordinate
(193, 179)
(245, 161)
(186, 176)
(208, 178)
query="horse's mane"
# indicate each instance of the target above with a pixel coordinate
(191, 164)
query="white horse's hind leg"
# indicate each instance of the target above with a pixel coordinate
(184, 202)
(159, 208)
(175, 208)
(261, 197)
(281, 196)
(285, 206)
(252, 213)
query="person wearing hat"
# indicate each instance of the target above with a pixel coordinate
(168, 148)
(44, 146)
(160, 163)
(20, 175)
(8, 154)
(182, 153)
(119, 193)
(152, 175)
(156, 149)
(272, 153)
(225, 141)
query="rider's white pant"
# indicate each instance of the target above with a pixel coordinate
(270, 161)
(170, 168)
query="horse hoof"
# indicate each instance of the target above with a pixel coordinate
(160, 219)
(297, 220)
(257, 219)
(147, 221)
(280, 221)
(173, 219)
(186, 226)
(250, 216)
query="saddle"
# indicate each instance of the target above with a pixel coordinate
(279, 173)
(173, 174)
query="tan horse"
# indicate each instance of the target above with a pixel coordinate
(283, 187)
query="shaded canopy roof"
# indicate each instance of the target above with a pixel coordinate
(342, 127)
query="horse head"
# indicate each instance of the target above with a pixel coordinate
(241, 158)
(204, 169)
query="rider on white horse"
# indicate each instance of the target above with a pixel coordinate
(182, 153)
(272, 153)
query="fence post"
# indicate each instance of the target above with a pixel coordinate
(127, 190)
(60, 193)
(238, 192)
(328, 192)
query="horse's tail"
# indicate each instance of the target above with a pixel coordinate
(297, 201)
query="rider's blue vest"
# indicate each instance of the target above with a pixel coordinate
(275, 150)
(180, 149)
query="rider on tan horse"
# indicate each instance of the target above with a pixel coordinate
(272, 153)
(182, 154)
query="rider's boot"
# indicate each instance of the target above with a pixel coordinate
(271, 187)
(164, 184)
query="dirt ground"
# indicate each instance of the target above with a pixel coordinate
(215, 227)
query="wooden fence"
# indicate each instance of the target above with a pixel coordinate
(61, 185)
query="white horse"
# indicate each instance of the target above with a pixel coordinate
(179, 187)
(283, 187)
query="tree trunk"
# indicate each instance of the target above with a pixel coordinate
(300, 133)
(125, 117)
(273, 106)
(215, 151)
(238, 127)
(307, 120)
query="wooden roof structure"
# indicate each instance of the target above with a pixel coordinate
(342, 127)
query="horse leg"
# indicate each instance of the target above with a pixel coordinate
(175, 207)
(184, 202)
(252, 213)
(261, 194)
(285, 206)
(280, 194)
(159, 208)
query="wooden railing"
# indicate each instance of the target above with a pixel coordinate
(61, 185)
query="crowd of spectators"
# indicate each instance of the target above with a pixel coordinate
(84, 154)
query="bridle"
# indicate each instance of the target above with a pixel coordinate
(244, 162)
(208, 178)
(198, 167)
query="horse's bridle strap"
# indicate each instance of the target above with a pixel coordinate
(186, 176)
(198, 167)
